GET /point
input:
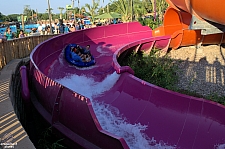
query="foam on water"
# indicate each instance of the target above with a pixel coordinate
(87, 86)
(220, 146)
(109, 117)
(103, 51)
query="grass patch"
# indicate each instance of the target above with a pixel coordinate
(41, 134)
(188, 92)
(152, 68)
(46, 141)
(217, 98)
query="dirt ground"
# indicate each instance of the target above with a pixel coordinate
(201, 70)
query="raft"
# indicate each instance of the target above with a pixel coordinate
(76, 63)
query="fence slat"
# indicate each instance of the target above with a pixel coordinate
(19, 48)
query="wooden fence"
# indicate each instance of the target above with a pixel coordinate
(19, 48)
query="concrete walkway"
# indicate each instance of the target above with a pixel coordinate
(11, 130)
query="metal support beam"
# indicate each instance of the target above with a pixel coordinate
(205, 26)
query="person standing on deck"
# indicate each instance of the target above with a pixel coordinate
(8, 34)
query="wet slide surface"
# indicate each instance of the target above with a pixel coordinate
(148, 116)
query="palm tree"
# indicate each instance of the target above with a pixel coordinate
(123, 7)
(79, 6)
(147, 6)
(61, 9)
(103, 5)
(49, 11)
(138, 8)
(154, 7)
(161, 7)
(72, 3)
(92, 9)
(50, 16)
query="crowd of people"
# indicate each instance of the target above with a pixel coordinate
(58, 27)
(9, 35)
(61, 27)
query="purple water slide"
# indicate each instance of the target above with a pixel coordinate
(178, 120)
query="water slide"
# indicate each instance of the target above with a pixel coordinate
(193, 22)
(106, 106)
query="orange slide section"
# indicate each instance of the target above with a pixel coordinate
(178, 17)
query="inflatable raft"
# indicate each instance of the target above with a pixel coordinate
(76, 63)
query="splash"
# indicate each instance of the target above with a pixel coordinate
(220, 146)
(109, 117)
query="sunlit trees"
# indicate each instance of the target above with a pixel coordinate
(11, 17)
(147, 6)
(27, 11)
(92, 9)
(60, 9)
(161, 7)
(123, 7)
(2, 17)
(127, 8)
(139, 7)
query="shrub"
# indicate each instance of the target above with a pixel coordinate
(152, 68)
(150, 22)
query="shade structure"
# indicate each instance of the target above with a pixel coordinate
(110, 15)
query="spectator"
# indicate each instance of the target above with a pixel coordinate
(2, 38)
(67, 28)
(77, 27)
(40, 29)
(72, 28)
(21, 34)
(56, 29)
(8, 34)
(43, 28)
(61, 27)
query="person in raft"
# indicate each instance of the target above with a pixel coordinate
(84, 50)
(78, 56)
(87, 50)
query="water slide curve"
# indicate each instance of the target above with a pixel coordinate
(150, 116)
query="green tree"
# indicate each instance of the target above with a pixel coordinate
(61, 9)
(2, 17)
(50, 10)
(55, 16)
(138, 9)
(124, 8)
(147, 6)
(12, 17)
(43, 16)
(76, 10)
(83, 10)
(112, 7)
(27, 11)
(92, 9)
(101, 10)
(161, 7)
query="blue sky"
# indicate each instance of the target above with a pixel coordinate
(16, 6)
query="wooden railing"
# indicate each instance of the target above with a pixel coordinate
(19, 48)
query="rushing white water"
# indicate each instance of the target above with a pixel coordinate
(109, 117)
(220, 146)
